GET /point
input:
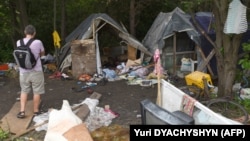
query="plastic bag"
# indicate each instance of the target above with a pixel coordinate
(186, 64)
(60, 121)
(245, 93)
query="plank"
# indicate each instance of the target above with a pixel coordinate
(83, 111)
(13, 124)
(78, 133)
(206, 61)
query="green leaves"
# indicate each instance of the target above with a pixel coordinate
(3, 134)
(245, 60)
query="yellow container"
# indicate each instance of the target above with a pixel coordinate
(195, 78)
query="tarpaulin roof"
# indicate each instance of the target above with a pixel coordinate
(85, 31)
(165, 25)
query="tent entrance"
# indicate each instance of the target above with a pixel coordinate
(113, 49)
(177, 47)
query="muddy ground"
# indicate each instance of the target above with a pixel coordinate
(122, 98)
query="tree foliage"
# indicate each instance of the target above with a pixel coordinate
(136, 15)
(15, 14)
(5, 32)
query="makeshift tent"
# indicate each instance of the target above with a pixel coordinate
(174, 34)
(179, 35)
(89, 29)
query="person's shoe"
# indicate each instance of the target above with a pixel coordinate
(37, 113)
(21, 114)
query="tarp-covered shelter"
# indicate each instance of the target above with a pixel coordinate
(178, 34)
(175, 35)
(89, 29)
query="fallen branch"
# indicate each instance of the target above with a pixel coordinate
(26, 131)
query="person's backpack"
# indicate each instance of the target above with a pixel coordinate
(23, 55)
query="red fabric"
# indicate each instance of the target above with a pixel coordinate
(157, 60)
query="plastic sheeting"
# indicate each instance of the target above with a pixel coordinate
(61, 121)
(165, 25)
(85, 31)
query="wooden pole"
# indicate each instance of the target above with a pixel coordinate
(174, 55)
(158, 71)
(159, 99)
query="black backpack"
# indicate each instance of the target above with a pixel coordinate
(23, 55)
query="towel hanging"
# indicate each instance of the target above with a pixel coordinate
(236, 21)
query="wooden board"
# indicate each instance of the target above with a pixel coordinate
(13, 124)
(132, 53)
(83, 111)
(78, 133)
(83, 54)
(95, 95)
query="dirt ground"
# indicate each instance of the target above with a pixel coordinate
(122, 98)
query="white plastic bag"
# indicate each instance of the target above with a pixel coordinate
(60, 121)
(245, 93)
(186, 64)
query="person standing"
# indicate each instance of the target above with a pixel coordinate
(32, 80)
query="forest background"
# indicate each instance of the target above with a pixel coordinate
(136, 15)
(65, 15)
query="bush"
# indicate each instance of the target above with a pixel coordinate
(6, 55)
(3, 134)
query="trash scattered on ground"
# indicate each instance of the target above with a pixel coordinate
(99, 118)
(245, 93)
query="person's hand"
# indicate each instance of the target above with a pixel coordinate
(43, 59)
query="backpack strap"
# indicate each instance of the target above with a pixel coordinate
(28, 43)
(21, 42)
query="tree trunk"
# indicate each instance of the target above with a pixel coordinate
(132, 14)
(227, 47)
(136, 7)
(16, 32)
(63, 20)
(23, 14)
